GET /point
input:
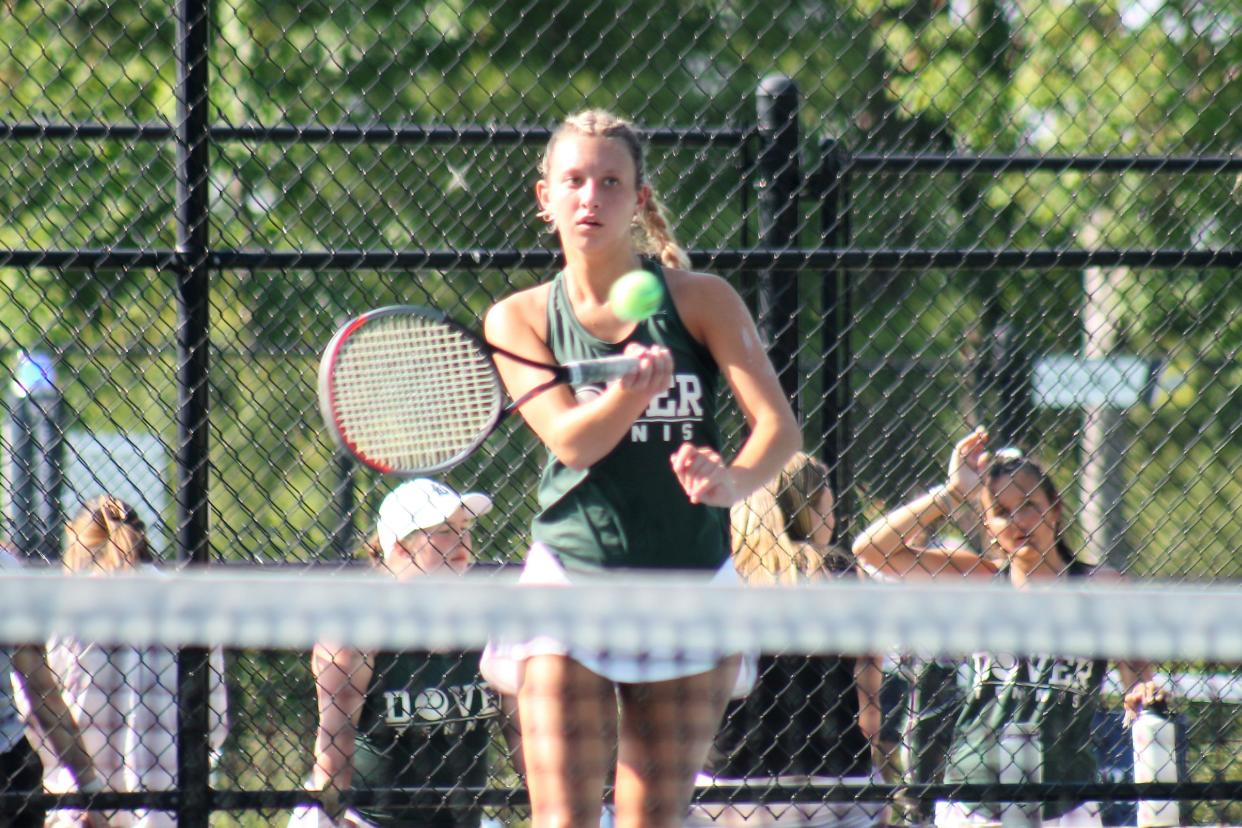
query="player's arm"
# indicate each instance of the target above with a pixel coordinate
(49, 710)
(578, 433)
(715, 315)
(341, 679)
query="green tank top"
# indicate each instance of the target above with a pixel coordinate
(425, 722)
(1058, 695)
(627, 510)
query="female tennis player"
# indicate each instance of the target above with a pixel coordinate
(634, 479)
(801, 725)
(1055, 697)
(392, 720)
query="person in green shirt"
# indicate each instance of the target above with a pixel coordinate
(407, 719)
(1054, 698)
(635, 478)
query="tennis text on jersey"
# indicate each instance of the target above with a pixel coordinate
(672, 416)
(453, 709)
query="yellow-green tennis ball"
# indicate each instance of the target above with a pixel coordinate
(636, 296)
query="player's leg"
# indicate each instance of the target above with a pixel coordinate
(667, 729)
(568, 717)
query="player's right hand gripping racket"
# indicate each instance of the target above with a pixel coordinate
(408, 391)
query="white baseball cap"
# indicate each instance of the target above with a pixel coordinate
(421, 504)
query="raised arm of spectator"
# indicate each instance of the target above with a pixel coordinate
(897, 545)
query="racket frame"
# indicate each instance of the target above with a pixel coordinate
(576, 372)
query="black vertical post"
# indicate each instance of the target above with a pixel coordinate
(780, 180)
(344, 505)
(22, 476)
(838, 304)
(1014, 403)
(344, 499)
(987, 356)
(193, 332)
(37, 437)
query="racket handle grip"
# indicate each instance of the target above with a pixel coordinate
(602, 369)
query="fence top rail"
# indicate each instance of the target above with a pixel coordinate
(535, 259)
(384, 133)
(834, 155)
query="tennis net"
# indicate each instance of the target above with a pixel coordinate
(928, 645)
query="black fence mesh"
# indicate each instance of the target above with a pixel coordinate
(944, 214)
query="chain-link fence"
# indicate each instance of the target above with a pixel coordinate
(944, 214)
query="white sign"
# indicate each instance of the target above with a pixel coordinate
(1064, 381)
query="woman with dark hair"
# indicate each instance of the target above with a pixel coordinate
(1053, 699)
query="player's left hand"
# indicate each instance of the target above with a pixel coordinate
(704, 476)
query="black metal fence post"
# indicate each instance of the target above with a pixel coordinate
(193, 341)
(36, 468)
(1015, 408)
(344, 504)
(837, 302)
(780, 180)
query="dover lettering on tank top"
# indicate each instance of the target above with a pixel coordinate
(627, 510)
(1059, 695)
(426, 721)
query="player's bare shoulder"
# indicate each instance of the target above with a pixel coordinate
(702, 299)
(518, 315)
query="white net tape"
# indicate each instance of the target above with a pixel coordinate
(671, 614)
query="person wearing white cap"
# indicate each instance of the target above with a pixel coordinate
(398, 719)
(424, 527)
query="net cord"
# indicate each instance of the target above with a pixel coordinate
(674, 614)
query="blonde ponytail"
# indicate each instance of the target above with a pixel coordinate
(654, 236)
(106, 535)
(763, 552)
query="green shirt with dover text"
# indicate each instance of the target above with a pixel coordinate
(628, 510)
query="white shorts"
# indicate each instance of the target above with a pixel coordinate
(502, 661)
(961, 815)
(785, 814)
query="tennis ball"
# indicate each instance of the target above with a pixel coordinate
(636, 296)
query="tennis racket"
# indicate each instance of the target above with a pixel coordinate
(408, 391)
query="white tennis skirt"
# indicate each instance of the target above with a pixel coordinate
(502, 661)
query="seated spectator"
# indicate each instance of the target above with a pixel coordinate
(406, 719)
(801, 723)
(122, 698)
(1055, 697)
(20, 766)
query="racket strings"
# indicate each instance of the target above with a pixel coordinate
(413, 393)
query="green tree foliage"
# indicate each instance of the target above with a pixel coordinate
(923, 75)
